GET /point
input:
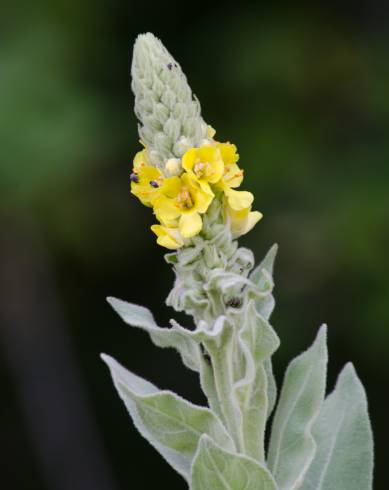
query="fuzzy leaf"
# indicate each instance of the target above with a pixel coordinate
(292, 446)
(267, 264)
(271, 387)
(219, 343)
(262, 276)
(258, 343)
(208, 385)
(176, 336)
(229, 284)
(344, 456)
(171, 424)
(217, 469)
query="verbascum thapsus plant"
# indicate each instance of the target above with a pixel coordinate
(189, 180)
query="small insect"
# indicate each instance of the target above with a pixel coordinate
(234, 302)
(154, 184)
(134, 178)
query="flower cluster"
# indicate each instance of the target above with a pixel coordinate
(183, 193)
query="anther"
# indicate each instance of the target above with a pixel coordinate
(134, 178)
(170, 66)
(154, 184)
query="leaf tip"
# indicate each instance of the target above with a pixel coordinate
(349, 374)
(106, 359)
(323, 331)
(274, 249)
(111, 300)
(349, 368)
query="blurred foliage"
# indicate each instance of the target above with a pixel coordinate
(303, 92)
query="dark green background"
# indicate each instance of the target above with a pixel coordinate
(304, 93)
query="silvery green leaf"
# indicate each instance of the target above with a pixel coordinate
(229, 283)
(219, 343)
(176, 336)
(171, 424)
(208, 385)
(215, 468)
(262, 276)
(242, 261)
(258, 343)
(258, 334)
(267, 264)
(344, 456)
(271, 386)
(292, 446)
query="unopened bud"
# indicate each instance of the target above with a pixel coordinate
(173, 166)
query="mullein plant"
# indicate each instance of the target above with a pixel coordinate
(190, 181)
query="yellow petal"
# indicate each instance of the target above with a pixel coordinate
(252, 220)
(203, 201)
(149, 173)
(228, 152)
(239, 200)
(208, 153)
(171, 186)
(240, 215)
(170, 223)
(242, 221)
(205, 187)
(202, 197)
(233, 177)
(210, 158)
(140, 159)
(166, 209)
(217, 171)
(143, 189)
(189, 159)
(190, 225)
(168, 237)
(190, 181)
(143, 197)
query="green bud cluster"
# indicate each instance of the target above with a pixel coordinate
(169, 115)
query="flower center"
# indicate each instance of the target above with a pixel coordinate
(184, 199)
(202, 169)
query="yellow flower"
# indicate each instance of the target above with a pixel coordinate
(168, 237)
(229, 153)
(205, 164)
(238, 200)
(146, 180)
(184, 200)
(141, 159)
(242, 221)
(232, 178)
(233, 175)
